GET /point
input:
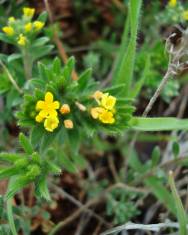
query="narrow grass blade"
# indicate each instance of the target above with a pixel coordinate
(126, 65)
(181, 215)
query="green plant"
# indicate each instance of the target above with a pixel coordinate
(58, 114)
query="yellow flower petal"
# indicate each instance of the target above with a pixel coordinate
(106, 117)
(51, 123)
(52, 113)
(11, 19)
(22, 40)
(28, 27)
(56, 105)
(38, 25)
(108, 101)
(8, 30)
(185, 15)
(28, 12)
(40, 105)
(38, 118)
(43, 113)
(97, 95)
(172, 3)
(49, 97)
(96, 111)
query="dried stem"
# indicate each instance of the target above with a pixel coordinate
(57, 41)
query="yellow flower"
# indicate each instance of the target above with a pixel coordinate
(65, 109)
(38, 118)
(96, 111)
(11, 19)
(172, 3)
(68, 124)
(51, 123)
(97, 95)
(38, 25)
(185, 15)
(108, 101)
(28, 12)
(8, 30)
(28, 27)
(106, 117)
(48, 106)
(22, 40)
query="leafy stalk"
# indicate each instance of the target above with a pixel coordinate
(181, 215)
(126, 65)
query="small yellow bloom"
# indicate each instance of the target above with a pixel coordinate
(38, 25)
(51, 123)
(68, 124)
(48, 106)
(28, 27)
(8, 30)
(108, 101)
(95, 112)
(11, 19)
(38, 118)
(65, 109)
(22, 40)
(185, 15)
(97, 95)
(172, 3)
(106, 117)
(28, 12)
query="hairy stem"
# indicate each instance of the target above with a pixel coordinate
(28, 64)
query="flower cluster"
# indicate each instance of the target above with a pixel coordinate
(21, 29)
(172, 3)
(105, 110)
(47, 113)
(184, 13)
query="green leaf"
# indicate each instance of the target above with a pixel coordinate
(4, 38)
(54, 169)
(36, 135)
(158, 124)
(161, 193)
(10, 217)
(57, 66)
(180, 212)
(42, 188)
(175, 149)
(38, 52)
(43, 16)
(68, 68)
(74, 140)
(10, 157)
(79, 161)
(8, 172)
(19, 183)
(24, 141)
(155, 157)
(126, 66)
(40, 41)
(46, 140)
(138, 86)
(67, 163)
(13, 57)
(84, 78)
